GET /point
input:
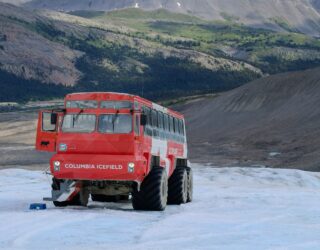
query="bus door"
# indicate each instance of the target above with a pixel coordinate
(47, 131)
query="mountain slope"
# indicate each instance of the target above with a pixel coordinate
(273, 120)
(272, 52)
(302, 15)
(158, 54)
(60, 49)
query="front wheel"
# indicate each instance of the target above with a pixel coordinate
(153, 192)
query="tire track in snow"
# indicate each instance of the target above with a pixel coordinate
(40, 228)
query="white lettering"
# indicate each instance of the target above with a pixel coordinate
(85, 166)
(111, 167)
(93, 166)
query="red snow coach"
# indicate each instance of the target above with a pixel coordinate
(111, 146)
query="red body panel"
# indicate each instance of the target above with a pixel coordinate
(102, 156)
(99, 167)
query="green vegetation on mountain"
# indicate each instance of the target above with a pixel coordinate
(108, 66)
(13, 88)
(271, 51)
(158, 54)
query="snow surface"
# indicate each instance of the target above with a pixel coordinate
(233, 208)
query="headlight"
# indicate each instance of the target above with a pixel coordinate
(130, 167)
(63, 147)
(56, 165)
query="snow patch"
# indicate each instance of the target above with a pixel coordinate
(233, 208)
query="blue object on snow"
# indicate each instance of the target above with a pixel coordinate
(38, 206)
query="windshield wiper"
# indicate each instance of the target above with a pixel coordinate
(114, 119)
(77, 115)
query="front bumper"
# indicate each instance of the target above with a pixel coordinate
(98, 167)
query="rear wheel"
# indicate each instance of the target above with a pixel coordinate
(178, 186)
(190, 185)
(153, 191)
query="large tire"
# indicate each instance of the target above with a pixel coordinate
(178, 187)
(153, 191)
(190, 185)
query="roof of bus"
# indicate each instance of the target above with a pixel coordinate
(102, 96)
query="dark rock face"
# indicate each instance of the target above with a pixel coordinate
(274, 121)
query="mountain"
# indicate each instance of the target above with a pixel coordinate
(273, 121)
(69, 53)
(158, 54)
(300, 15)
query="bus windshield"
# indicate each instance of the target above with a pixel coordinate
(82, 104)
(116, 105)
(115, 124)
(80, 123)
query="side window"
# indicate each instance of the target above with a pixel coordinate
(137, 125)
(166, 122)
(46, 123)
(148, 113)
(171, 124)
(147, 128)
(176, 126)
(136, 105)
(182, 127)
(160, 120)
(154, 118)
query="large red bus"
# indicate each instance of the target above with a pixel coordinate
(114, 146)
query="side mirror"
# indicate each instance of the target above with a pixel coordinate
(143, 120)
(54, 118)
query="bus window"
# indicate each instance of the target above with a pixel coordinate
(147, 128)
(171, 124)
(115, 124)
(154, 118)
(79, 123)
(137, 125)
(180, 127)
(176, 126)
(82, 104)
(46, 122)
(166, 122)
(160, 120)
(148, 113)
(136, 105)
(116, 105)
